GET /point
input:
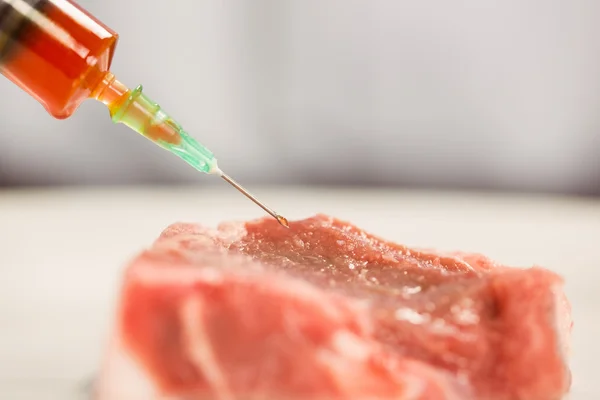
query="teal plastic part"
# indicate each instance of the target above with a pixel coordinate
(193, 153)
(147, 118)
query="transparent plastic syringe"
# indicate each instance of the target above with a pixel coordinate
(61, 55)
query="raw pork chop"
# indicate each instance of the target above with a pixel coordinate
(324, 310)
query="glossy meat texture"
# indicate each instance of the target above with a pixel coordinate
(324, 310)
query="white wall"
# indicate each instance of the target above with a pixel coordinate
(464, 92)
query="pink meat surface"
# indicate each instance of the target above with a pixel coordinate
(324, 310)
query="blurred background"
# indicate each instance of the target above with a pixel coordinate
(462, 94)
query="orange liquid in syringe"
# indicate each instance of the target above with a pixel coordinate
(58, 55)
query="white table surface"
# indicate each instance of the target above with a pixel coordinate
(62, 252)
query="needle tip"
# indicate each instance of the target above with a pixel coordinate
(282, 221)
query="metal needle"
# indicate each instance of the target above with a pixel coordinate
(282, 220)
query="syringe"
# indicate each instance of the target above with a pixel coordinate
(61, 55)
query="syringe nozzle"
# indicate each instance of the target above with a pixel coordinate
(282, 220)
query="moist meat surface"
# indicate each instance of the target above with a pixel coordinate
(268, 303)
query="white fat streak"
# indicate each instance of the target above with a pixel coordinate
(200, 349)
(413, 387)
(561, 319)
(351, 346)
(407, 314)
(418, 377)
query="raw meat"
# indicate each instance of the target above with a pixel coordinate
(324, 310)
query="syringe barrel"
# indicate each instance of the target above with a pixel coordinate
(55, 51)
